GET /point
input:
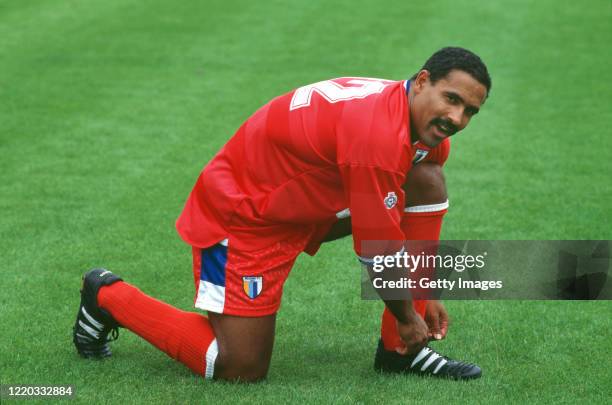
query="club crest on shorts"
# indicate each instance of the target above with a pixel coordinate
(252, 285)
(390, 200)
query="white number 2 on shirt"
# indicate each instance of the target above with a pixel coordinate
(334, 92)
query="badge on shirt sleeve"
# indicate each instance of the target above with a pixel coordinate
(419, 155)
(390, 200)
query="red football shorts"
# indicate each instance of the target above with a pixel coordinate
(234, 282)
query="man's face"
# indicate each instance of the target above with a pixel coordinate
(440, 110)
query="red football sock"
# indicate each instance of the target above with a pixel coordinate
(416, 226)
(185, 336)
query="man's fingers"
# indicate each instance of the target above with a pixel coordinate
(444, 327)
(403, 350)
(444, 322)
(434, 325)
(413, 334)
(413, 346)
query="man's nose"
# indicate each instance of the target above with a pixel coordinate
(456, 117)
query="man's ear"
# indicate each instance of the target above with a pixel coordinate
(421, 79)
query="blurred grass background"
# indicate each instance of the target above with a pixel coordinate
(109, 110)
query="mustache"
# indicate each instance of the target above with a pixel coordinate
(452, 129)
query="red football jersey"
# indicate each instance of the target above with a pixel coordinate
(302, 158)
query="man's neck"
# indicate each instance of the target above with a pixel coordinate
(414, 138)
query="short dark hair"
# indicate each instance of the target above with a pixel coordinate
(450, 58)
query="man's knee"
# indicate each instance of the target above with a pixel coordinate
(243, 367)
(425, 185)
(245, 347)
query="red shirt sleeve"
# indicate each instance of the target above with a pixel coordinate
(376, 202)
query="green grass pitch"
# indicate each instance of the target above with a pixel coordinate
(109, 110)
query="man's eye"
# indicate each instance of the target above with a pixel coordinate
(452, 98)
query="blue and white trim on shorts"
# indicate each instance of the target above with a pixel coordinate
(211, 291)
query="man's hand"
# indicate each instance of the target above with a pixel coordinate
(437, 320)
(413, 333)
